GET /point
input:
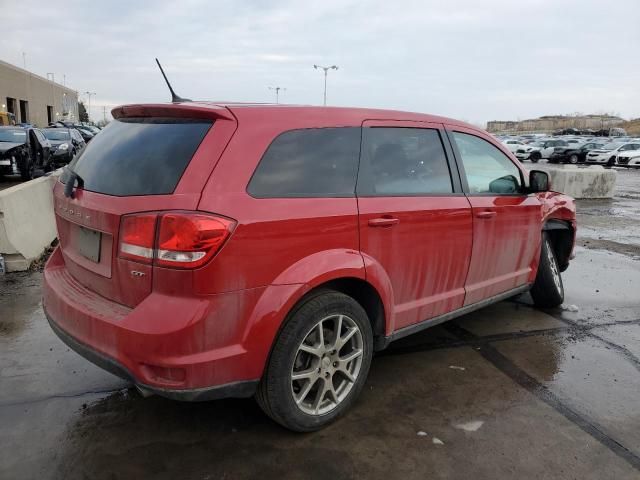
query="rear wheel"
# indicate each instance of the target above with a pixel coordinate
(319, 363)
(573, 159)
(547, 290)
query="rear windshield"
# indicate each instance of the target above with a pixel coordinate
(139, 156)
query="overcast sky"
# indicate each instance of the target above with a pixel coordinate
(475, 60)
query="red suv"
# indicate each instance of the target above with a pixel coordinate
(210, 250)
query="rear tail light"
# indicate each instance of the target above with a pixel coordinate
(190, 240)
(137, 236)
(173, 239)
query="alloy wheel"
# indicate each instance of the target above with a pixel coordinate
(327, 364)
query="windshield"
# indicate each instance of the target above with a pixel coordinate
(14, 136)
(611, 146)
(54, 134)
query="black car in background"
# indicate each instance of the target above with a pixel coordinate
(573, 153)
(66, 143)
(23, 150)
(86, 133)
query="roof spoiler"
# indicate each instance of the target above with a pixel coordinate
(177, 110)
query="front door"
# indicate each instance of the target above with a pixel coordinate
(506, 221)
(415, 222)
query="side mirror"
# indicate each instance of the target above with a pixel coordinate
(538, 181)
(506, 184)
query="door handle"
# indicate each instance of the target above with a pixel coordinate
(486, 214)
(383, 222)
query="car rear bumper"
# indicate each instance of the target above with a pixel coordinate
(181, 348)
(236, 389)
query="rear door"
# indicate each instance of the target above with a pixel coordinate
(414, 219)
(136, 165)
(506, 221)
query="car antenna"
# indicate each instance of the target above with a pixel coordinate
(174, 98)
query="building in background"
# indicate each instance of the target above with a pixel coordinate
(551, 123)
(34, 99)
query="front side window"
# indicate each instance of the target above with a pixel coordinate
(487, 169)
(314, 162)
(403, 161)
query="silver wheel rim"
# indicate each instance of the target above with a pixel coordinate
(573, 159)
(553, 265)
(327, 364)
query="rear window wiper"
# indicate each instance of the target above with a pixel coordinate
(72, 179)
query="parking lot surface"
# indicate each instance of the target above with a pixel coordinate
(505, 392)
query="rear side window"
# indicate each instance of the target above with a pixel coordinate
(139, 156)
(403, 161)
(315, 162)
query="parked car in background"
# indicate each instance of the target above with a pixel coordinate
(629, 159)
(85, 132)
(512, 144)
(607, 153)
(92, 128)
(23, 151)
(540, 149)
(65, 144)
(573, 153)
(211, 251)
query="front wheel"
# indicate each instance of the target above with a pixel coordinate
(535, 157)
(26, 167)
(547, 290)
(319, 363)
(573, 159)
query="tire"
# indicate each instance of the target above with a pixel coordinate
(573, 159)
(611, 162)
(547, 290)
(315, 407)
(26, 168)
(535, 157)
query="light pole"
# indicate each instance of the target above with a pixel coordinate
(326, 69)
(277, 90)
(89, 110)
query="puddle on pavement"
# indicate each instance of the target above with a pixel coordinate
(592, 378)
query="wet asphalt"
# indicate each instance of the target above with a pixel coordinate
(505, 392)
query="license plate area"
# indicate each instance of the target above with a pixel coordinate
(88, 243)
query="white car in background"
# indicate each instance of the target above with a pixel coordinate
(608, 153)
(629, 159)
(540, 149)
(512, 144)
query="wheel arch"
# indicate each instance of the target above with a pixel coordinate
(561, 234)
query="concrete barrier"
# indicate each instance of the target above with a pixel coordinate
(592, 181)
(27, 222)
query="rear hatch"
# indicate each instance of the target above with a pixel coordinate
(150, 158)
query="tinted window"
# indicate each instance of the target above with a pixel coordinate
(316, 162)
(487, 169)
(403, 161)
(139, 156)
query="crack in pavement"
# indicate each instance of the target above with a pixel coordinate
(519, 376)
(60, 395)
